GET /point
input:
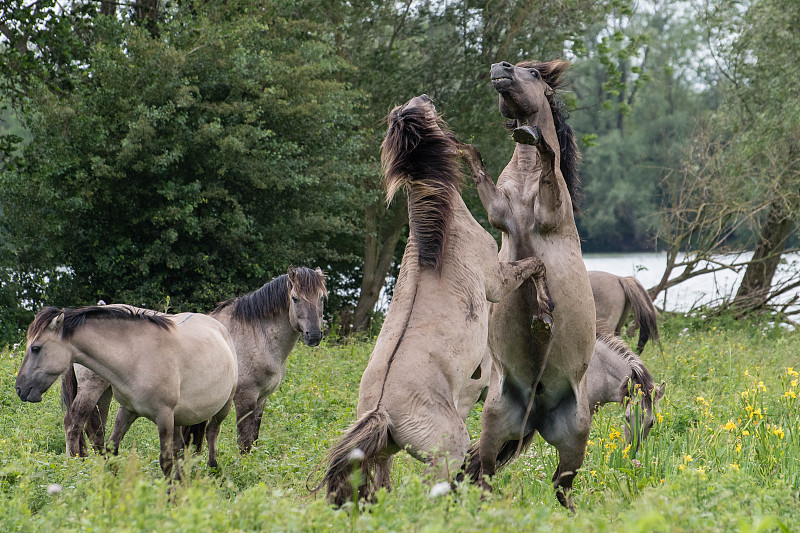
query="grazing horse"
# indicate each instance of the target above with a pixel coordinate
(536, 381)
(615, 297)
(432, 346)
(175, 370)
(264, 325)
(615, 374)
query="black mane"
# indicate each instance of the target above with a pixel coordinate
(419, 153)
(76, 318)
(273, 297)
(569, 154)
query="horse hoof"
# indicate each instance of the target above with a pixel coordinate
(527, 135)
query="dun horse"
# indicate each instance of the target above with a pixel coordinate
(616, 374)
(615, 297)
(433, 341)
(265, 325)
(175, 370)
(537, 385)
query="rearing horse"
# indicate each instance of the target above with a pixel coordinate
(536, 381)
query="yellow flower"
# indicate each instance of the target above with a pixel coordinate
(789, 394)
(593, 473)
(659, 418)
(734, 466)
(745, 433)
(791, 372)
(762, 386)
(688, 458)
(681, 467)
(794, 383)
(730, 426)
(625, 451)
(739, 447)
(779, 433)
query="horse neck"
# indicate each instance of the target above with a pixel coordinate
(275, 332)
(607, 376)
(104, 348)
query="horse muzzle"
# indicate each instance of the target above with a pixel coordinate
(312, 338)
(29, 394)
(502, 75)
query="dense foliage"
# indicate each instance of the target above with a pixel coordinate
(723, 456)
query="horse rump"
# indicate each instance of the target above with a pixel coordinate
(645, 314)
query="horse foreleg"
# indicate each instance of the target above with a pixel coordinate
(212, 432)
(121, 426)
(165, 420)
(247, 422)
(494, 200)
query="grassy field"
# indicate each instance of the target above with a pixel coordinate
(723, 456)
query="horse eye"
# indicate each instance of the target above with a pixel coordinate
(35, 349)
(294, 299)
(535, 73)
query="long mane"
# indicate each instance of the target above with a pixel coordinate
(570, 157)
(76, 318)
(419, 153)
(273, 297)
(639, 375)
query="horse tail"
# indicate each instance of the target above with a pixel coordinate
(370, 435)
(645, 315)
(69, 390)
(194, 435)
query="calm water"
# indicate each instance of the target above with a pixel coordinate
(707, 289)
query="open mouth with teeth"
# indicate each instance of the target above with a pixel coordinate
(501, 82)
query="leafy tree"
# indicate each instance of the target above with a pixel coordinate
(192, 166)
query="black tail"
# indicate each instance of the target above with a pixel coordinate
(645, 314)
(194, 435)
(370, 434)
(69, 390)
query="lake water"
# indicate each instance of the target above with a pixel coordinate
(706, 289)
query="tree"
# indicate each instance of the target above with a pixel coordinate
(184, 169)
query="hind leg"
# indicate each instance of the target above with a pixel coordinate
(567, 429)
(81, 410)
(212, 432)
(383, 469)
(501, 427)
(96, 425)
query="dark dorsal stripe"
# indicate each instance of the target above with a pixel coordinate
(76, 318)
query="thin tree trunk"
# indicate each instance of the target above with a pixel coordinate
(757, 280)
(380, 243)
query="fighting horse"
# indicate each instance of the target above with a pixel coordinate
(430, 350)
(536, 382)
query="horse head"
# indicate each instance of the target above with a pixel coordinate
(640, 417)
(47, 356)
(526, 88)
(307, 295)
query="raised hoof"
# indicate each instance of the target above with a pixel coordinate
(527, 135)
(565, 501)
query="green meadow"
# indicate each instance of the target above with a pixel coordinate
(724, 455)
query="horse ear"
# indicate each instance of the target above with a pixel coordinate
(292, 273)
(660, 390)
(320, 272)
(55, 324)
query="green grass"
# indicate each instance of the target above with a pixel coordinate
(723, 456)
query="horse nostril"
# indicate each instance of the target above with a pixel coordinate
(505, 64)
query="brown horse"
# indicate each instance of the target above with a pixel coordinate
(265, 325)
(175, 370)
(537, 384)
(615, 297)
(432, 346)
